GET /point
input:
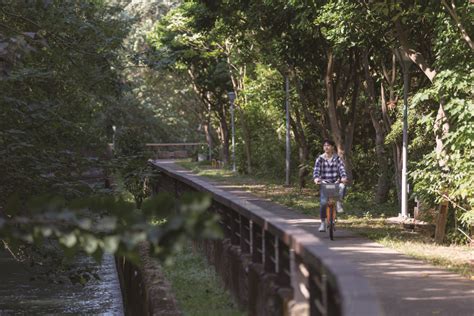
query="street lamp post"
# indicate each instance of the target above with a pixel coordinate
(405, 62)
(114, 128)
(288, 152)
(232, 99)
(209, 133)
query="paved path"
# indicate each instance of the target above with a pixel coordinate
(406, 286)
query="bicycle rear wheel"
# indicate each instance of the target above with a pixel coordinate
(331, 222)
(331, 230)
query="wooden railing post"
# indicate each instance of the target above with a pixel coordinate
(235, 227)
(300, 285)
(284, 275)
(269, 253)
(257, 243)
(317, 293)
(244, 234)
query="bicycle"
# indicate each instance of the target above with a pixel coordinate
(331, 191)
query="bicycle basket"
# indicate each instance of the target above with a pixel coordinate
(330, 190)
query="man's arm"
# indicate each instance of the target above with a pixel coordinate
(342, 171)
(317, 171)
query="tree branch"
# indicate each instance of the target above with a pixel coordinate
(452, 11)
(415, 56)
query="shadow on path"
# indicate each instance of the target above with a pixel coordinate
(406, 286)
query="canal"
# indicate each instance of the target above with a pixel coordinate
(21, 295)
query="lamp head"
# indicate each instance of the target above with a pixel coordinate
(231, 96)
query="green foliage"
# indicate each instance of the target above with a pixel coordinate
(261, 39)
(57, 77)
(99, 224)
(265, 119)
(179, 43)
(63, 93)
(72, 70)
(346, 25)
(131, 162)
(456, 181)
(166, 97)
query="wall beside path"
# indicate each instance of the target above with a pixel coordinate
(269, 266)
(145, 291)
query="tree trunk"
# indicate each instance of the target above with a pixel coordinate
(383, 187)
(246, 141)
(224, 135)
(441, 222)
(396, 146)
(382, 183)
(441, 128)
(308, 101)
(303, 149)
(396, 151)
(349, 131)
(333, 102)
(237, 75)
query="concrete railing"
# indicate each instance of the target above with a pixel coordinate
(270, 266)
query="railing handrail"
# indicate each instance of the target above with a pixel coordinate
(173, 144)
(357, 296)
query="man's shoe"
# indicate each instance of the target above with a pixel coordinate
(339, 207)
(322, 228)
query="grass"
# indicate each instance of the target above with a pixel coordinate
(197, 287)
(361, 216)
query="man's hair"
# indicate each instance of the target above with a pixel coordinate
(329, 142)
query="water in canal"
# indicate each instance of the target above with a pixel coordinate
(20, 296)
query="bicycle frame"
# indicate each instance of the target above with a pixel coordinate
(331, 191)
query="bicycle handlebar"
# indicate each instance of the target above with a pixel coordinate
(326, 182)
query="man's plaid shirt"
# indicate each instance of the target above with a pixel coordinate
(329, 170)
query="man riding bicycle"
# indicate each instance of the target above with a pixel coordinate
(329, 168)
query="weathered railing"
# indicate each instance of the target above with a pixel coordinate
(174, 150)
(270, 266)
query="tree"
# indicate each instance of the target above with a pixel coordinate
(340, 58)
(178, 44)
(62, 92)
